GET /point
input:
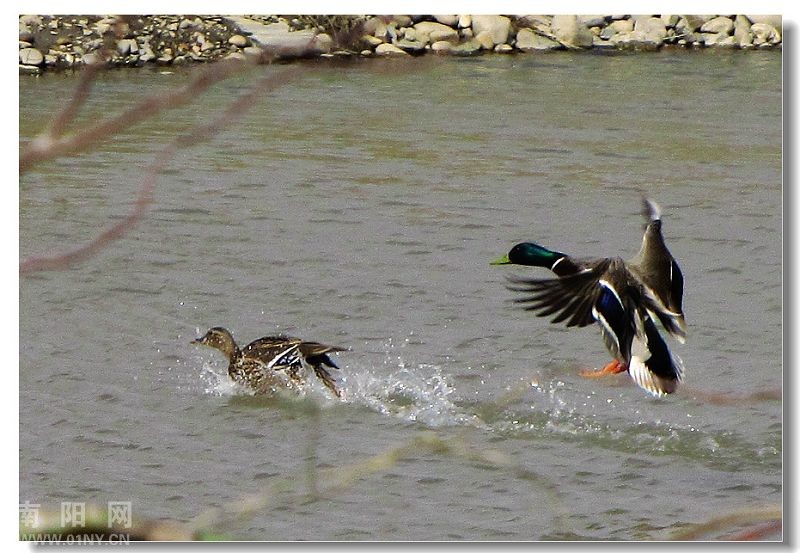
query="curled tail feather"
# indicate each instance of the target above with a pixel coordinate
(651, 210)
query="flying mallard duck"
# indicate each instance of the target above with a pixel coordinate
(264, 364)
(625, 298)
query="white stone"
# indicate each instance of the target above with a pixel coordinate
(741, 32)
(722, 25)
(127, 46)
(498, 27)
(569, 30)
(654, 29)
(30, 56)
(238, 40)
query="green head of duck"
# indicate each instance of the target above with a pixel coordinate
(529, 253)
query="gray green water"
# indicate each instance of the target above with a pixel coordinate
(361, 208)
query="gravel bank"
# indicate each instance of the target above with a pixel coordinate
(48, 43)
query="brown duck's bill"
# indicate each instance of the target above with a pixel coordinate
(501, 261)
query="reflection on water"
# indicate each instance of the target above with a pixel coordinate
(362, 209)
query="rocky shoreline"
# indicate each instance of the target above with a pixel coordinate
(52, 43)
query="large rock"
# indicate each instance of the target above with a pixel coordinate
(375, 26)
(127, 46)
(485, 38)
(450, 20)
(638, 40)
(528, 41)
(279, 36)
(30, 20)
(764, 33)
(696, 21)
(670, 20)
(400, 20)
(430, 31)
(534, 21)
(498, 27)
(685, 30)
(238, 40)
(387, 49)
(721, 25)
(570, 31)
(592, 20)
(741, 32)
(617, 26)
(31, 56)
(653, 28)
(774, 20)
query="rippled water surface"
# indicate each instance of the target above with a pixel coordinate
(361, 207)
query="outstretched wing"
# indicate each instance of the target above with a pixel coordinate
(570, 298)
(595, 294)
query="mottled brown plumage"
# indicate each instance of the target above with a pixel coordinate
(272, 362)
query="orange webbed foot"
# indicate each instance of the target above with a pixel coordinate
(615, 367)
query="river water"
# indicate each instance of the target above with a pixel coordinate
(360, 207)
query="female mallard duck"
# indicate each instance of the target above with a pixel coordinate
(623, 297)
(264, 364)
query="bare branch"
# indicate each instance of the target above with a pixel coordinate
(723, 522)
(52, 144)
(60, 122)
(147, 188)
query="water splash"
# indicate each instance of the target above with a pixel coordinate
(414, 394)
(424, 393)
(217, 384)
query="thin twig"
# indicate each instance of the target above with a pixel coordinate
(65, 117)
(342, 478)
(147, 188)
(759, 532)
(750, 516)
(51, 144)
